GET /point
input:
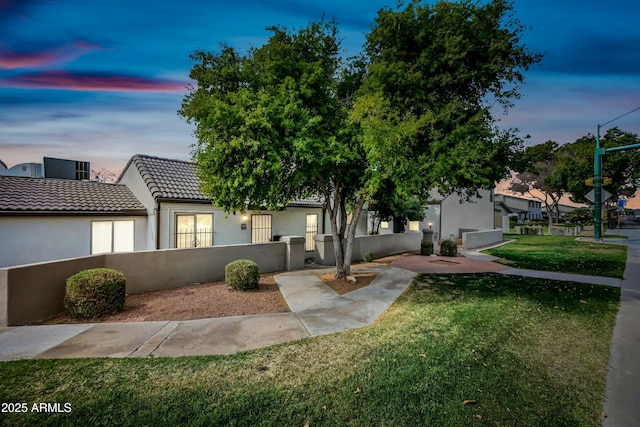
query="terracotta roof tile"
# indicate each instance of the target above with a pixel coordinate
(22, 194)
(178, 179)
(169, 179)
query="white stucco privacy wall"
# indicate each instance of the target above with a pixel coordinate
(477, 239)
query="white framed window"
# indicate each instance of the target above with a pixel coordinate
(112, 236)
(414, 225)
(194, 230)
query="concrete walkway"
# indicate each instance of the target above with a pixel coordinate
(622, 401)
(315, 310)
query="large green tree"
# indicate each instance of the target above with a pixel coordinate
(293, 119)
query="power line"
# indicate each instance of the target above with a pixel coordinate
(619, 117)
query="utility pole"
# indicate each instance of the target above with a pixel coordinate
(597, 177)
(597, 189)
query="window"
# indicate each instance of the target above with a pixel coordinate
(414, 225)
(82, 170)
(194, 230)
(112, 236)
(260, 228)
(311, 230)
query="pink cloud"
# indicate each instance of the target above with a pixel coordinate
(67, 52)
(91, 82)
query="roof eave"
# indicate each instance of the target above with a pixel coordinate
(124, 212)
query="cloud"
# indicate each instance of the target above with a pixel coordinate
(83, 81)
(67, 52)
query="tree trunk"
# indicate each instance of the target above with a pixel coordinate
(351, 235)
(343, 247)
(336, 208)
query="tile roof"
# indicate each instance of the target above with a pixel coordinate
(167, 178)
(46, 195)
(178, 180)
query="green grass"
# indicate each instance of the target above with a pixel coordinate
(529, 352)
(563, 254)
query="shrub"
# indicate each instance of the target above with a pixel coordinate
(241, 275)
(426, 247)
(448, 248)
(93, 293)
(368, 257)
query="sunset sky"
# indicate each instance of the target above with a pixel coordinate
(102, 80)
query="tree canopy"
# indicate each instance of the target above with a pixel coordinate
(293, 119)
(539, 177)
(575, 165)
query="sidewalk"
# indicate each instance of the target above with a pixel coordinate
(315, 310)
(622, 401)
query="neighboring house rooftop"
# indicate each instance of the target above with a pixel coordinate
(60, 196)
(170, 179)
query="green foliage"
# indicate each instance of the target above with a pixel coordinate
(292, 119)
(575, 165)
(367, 257)
(448, 248)
(94, 293)
(539, 176)
(581, 216)
(241, 275)
(426, 247)
(423, 106)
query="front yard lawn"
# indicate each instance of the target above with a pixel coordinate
(562, 254)
(454, 350)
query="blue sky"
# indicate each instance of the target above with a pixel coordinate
(102, 80)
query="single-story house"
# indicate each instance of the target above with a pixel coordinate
(179, 215)
(157, 204)
(44, 219)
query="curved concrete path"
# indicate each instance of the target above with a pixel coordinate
(315, 310)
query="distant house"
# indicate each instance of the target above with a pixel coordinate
(518, 208)
(180, 216)
(451, 216)
(44, 219)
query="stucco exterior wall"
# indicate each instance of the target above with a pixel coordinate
(476, 214)
(29, 239)
(379, 245)
(227, 228)
(476, 239)
(32, 292)
(132, 179)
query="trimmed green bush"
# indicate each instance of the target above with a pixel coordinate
(448, 248)
(241, 275)
(368, 257)
(94, 293)
(426, 247)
